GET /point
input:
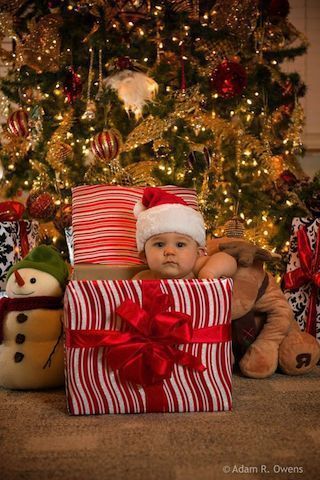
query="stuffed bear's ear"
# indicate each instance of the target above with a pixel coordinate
(246, 253)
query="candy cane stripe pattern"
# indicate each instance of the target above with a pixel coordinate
(104, 226)
(18, 123)
(94, 388)
(106, 145)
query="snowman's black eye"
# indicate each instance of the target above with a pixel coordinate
(33, 280)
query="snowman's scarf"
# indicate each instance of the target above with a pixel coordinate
(29, 303)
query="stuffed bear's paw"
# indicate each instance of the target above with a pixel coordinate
(299, 353)
(260, 360)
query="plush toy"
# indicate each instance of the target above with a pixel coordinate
(31, 348)
(265, 334)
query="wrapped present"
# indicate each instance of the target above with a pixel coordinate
(302, 279)
(104, 226)
(137, 346)
(17, 236)
(69, 239)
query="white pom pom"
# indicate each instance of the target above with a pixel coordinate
(138, 208)
(135, 89)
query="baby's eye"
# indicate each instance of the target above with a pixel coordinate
(33, 280)
(159, 244)
(181, 244)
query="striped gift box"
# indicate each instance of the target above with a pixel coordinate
(91, 320)
(104, 226)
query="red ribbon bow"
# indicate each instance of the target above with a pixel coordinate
(146, 355)
(11, 211)
(307, 273)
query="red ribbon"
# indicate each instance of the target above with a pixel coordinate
(145, 354)
(11, 211)
(307, 273)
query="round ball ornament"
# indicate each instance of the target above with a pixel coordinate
(106, 144)
(40, 205)
(124, 63)
(234, 228)
(18, 123)
(276, 9)
(63, 218)
(228, 79)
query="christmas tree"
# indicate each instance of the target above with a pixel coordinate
(145, 92)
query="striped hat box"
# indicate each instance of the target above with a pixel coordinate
(94, 388)
(104, 226)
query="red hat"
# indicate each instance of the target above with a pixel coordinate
(162, 212)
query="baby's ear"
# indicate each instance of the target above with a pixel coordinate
(202, 251)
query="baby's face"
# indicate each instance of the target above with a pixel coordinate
(171, 255)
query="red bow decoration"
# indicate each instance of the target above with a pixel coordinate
(146, 355)
(307, 273)
(11, 211)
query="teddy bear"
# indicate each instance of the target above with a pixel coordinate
(31, 328)
(264, 333)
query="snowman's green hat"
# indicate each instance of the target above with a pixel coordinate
(46, 259)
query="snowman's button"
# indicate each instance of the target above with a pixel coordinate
(18, 357)
(20, 338)
(22, 317)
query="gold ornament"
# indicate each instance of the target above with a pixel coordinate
(6, 30)
(141, 173)
(186, 6)
(90, 111)
(41, 48)
(277, 165)
(14, 147)
(240, 18)
(11, 6)
(234, 228)
(152, 128)
(59, 150)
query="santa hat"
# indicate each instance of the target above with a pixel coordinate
(162, 212)
(46, 259)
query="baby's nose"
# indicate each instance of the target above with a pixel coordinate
(169, 250)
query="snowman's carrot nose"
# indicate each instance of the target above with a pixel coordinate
(19, 279)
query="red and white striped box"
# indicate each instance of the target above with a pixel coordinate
(135, 346)
(104, 227)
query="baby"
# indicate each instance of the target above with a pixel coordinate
(171, 240)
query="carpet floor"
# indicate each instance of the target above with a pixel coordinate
(273, 432)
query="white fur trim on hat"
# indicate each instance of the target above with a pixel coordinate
(167, 218)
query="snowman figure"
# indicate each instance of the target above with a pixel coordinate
(31, 343)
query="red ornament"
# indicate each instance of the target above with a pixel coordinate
(228, 79)
(11, 211)
(124, 63)
(63, 218)
(289, 178)
(276, 9)
(72, 85)
(106, 145)
(18, 123)
(40, 205)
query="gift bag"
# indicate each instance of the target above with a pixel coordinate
(137, 346)
(301, 282)
(69, 239)
(104, 226)
(17, 237)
